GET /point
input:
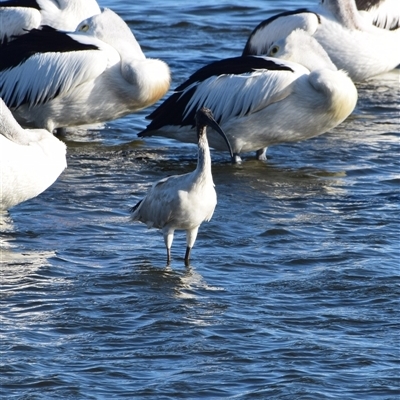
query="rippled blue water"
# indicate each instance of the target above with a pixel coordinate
(293, 291)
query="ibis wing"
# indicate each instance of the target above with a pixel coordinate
(157, 207)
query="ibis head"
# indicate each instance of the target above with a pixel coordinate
(204, 118)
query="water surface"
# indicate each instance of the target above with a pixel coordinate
(293, 288)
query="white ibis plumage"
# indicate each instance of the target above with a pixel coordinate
(183, 201)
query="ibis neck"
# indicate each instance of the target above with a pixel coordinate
(204, 157)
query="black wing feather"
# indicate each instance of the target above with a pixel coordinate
(45, 40)
(20, 3)
(172, 110)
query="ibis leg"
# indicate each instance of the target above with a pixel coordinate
(168, 255)
(168, 238)
(191, 235)
(187, 256)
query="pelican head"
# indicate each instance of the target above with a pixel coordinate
(204, 118)
(112, 29)
(300, 47)
(66, 14)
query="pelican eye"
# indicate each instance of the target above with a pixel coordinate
(274, 50)
(84, 28)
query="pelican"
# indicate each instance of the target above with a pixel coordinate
(52, 79)
(183, 201)
(381, 13)
(261, 101)
(17, 17)
(30, 160)
(352, 42)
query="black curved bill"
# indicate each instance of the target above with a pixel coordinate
(204, 117)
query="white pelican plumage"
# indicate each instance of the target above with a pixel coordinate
(384, 14)
(52, 79)
(17, 17)
(352, 42)
(183, 201)
(261, 101)
(30, 160)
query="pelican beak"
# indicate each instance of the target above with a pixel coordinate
(212, 123)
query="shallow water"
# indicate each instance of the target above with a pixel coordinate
(293, 287)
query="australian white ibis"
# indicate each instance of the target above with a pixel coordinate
(183, 201)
